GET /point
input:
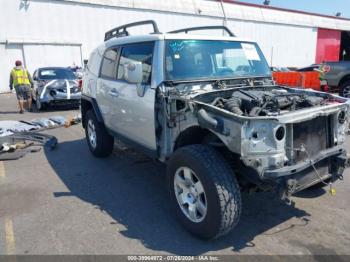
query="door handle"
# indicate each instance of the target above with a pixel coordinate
(113, 92)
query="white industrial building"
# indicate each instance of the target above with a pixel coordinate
(63, 32)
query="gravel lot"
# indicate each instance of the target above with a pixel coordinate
(68, 202)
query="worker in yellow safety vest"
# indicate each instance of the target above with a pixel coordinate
(21, 80)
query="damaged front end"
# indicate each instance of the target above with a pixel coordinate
(287, 139)
(59, 91)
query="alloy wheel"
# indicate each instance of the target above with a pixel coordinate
(346, 91)
(190, 194)
(92, 133)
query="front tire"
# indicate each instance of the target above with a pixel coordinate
(204, 191)
(39, 105)
(99, 141)
(344, 89)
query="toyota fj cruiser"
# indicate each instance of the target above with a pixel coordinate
(208, 108)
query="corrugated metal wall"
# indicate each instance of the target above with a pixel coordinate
(45, 27)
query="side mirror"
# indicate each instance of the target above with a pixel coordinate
(35, 78)
(133, 72)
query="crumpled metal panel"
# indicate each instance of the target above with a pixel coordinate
(9, 127)
(44, 122)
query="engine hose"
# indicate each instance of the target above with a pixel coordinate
(206, 120)
(234, 105)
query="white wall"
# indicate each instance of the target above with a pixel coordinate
(7, 54)
(282, 45)
(63, 22)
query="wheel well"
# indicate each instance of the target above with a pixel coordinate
(344, 79)
(85, 106)
(195, 135)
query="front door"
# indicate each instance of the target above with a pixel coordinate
(133, 116)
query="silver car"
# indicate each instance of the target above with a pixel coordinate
(55, 85)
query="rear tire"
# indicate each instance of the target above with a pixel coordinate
(99, 141)
(344, 89)
(203, 191)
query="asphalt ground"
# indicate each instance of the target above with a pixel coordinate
(66, 201)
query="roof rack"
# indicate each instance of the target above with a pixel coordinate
(121, 30)
(214, 27)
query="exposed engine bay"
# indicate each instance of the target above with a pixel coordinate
(263, 101)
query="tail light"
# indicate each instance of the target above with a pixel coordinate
(80, 84)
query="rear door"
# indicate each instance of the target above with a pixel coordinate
(106, 93)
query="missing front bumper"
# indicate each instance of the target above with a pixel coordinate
(329, 169)
(330, 165)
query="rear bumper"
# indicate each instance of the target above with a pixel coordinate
(330, 164)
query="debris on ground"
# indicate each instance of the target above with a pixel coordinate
(18, 137)
(13, 127)
(17, 145)
(72, 121)
(9, 127)
(44, 122)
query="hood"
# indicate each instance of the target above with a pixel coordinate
(59, 83)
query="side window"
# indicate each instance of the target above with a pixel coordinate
(93, 63)
(109, 64)
(139, 53)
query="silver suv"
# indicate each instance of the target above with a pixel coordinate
(208, 108)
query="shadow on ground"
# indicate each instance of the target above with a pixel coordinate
(55, 108)
(131, 188)
(9, 112)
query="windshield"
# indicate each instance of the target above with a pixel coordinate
(206, 59)
(56, 73)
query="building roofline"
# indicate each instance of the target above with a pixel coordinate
(284, 9)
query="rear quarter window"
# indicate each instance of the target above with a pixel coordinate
(93, 65)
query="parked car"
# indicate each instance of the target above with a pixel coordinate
(191, 102)
(310, 68)
(55, 85)
(337, 75)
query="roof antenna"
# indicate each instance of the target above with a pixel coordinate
(267, 2)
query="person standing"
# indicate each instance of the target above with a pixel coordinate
(21, 80)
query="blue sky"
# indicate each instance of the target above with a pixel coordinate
(326, 7)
